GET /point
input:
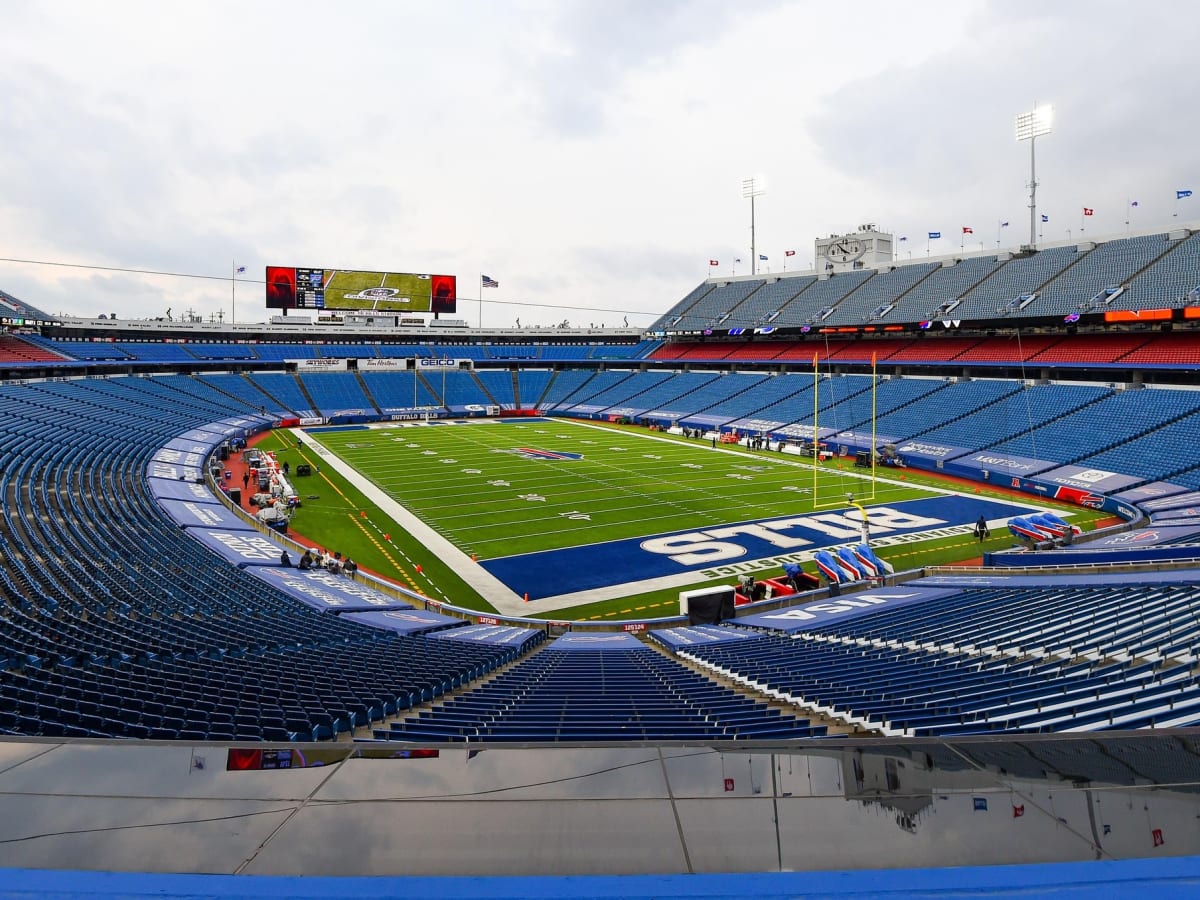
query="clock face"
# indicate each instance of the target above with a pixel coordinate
(845, 249)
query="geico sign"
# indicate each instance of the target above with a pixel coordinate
(711, 545)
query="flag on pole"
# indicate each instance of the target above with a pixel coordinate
(903, 239)
(1003, 224)
(1087, 210)
(934, 235)
(1179, 195)
(241, 269)
(789, 252)
(1045, 218)
(714, 262)
(487, 281)
(762, 257)
(967, 229)
(738, 260)
(1133, 203)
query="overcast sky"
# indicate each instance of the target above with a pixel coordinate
(585, 154)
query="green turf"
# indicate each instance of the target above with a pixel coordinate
(414, 290)
(331, 517)
(624, 492)
(470, 486)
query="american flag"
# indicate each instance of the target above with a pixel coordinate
(488, 281)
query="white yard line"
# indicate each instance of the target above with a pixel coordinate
(487, 585)
(508, 602)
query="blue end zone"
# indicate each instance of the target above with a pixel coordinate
(549, 573)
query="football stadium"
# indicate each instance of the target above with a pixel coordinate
(867, 566)
(809, 514)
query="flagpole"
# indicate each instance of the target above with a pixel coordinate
(233, 293)
(480, 301)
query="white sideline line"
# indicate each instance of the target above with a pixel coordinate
(508, 602)
(487, 585)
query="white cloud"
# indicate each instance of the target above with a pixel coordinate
(586, 154)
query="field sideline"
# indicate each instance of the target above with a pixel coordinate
(573, 513)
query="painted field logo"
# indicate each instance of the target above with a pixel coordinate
(532, 453)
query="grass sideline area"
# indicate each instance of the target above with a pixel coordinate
(499, 489)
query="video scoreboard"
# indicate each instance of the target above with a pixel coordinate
(293, 287)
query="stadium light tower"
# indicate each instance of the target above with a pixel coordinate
(1031, 126)
(754, 186)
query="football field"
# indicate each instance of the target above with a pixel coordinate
(384, 291)
(570, 513)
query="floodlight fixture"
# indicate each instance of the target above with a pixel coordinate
(754, 186)
(1035, 123)
(1030, 126)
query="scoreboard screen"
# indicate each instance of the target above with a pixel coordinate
(303, 288)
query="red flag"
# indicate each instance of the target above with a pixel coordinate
(968, 230)
(1018, 811)
(714, 262)
(1087, 210)
(789, 252)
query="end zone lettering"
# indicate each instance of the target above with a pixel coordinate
(702, 547)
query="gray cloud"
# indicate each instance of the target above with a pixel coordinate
(601, 45)
(583, 153)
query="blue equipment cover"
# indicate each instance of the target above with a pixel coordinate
(811, 616)
(403, 621)
(163, 489)
(189, 514)
(326, 591)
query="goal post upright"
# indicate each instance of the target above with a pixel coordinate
(816, 454)
(874, 385)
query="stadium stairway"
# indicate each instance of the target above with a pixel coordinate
(239, 403)
(366, 391)
(483, 387)
(833, 727)
(383, 730)
(516, 386)
(424, 382)
(312, 404)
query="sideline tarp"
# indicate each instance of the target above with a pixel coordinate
(190, 514)
(242, 548)
(163, 489)
(496, 635)
(838, 609)
(403, 621)
(325, 591)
